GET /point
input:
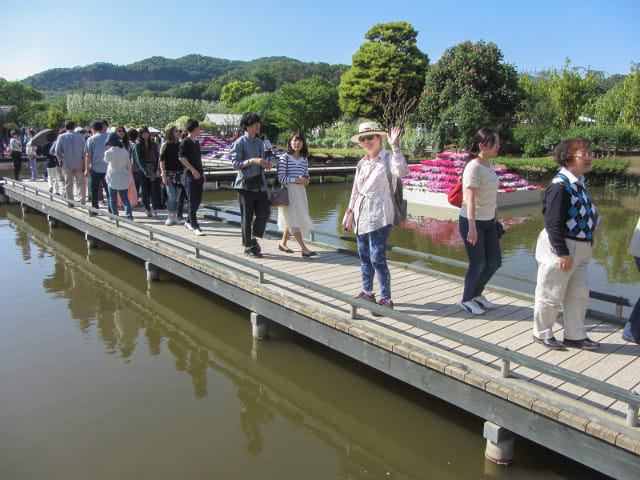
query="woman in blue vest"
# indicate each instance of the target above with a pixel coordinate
(564, 249)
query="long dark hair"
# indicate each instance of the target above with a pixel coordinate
(304, 151)
(486, 136)
(144, 144)
(125, 139)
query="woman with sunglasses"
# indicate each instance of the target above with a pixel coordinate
(371, 210)
(564, 249)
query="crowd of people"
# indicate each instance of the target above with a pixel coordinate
(120, 164)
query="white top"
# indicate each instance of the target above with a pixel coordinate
(118, 164)
(634, 248)
(486, 183)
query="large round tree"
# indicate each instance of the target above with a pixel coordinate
(389, 58)
(475, 71)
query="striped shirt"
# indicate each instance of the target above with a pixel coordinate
(290, 169)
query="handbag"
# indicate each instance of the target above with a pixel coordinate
(280, 196)
(455, 195)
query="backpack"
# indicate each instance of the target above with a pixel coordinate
(399, 203)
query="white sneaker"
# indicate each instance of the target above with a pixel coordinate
(484, 303)
(189, 227)
(170, 221)
(472, 307)
(198, 232)
(178, 221)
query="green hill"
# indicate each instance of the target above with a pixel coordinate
(191, 76)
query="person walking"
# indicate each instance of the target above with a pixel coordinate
(247, 156)
(118, 176)
(95, 166)
(631, 331)
(147, 154)
(31, 151)
(477, 221)
(132, 193)
(53, 168)
(70, 153)
(293, 172)
(371, 209)
(171, 171)
(563, 250)
(193, 177)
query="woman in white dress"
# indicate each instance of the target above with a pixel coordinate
(293, 171)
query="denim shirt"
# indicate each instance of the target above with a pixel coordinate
(242, 150)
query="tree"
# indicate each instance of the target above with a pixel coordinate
(234, 91)
(305, 104)
(461, 122)
(390, 57)
(396, 105)
(621, 104)
(26, 101)
(474, 71)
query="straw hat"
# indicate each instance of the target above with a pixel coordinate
(368, 128)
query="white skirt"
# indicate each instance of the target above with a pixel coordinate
(295, 216)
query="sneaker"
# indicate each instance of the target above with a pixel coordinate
(367, 298)
(253, 252)
(178, 221)
(198, 232)
(484, 303)
(254, 242)
(169, 221)
(155, 213)
(189, 227)
(472, 307)
(386, 303)
(147, 213)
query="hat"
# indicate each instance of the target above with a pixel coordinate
(368, 128)
(80, 130)
(113, 140)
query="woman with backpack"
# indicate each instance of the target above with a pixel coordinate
(371, 210)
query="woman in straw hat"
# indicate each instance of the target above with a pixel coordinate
(371, 211)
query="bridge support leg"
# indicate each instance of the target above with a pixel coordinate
(25, 209)
(53, 223)
(500, 441)
(259, 326)
(153, 272)
(91, 242)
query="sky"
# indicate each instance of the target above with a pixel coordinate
(533, 36)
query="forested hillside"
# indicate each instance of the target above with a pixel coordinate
(192, 76)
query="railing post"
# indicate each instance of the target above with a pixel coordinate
(505, 370)
(619, 312)
(354, 312)
(632, 416)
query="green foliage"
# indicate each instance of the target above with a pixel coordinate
(143, 111)
(621, 104)
(27, 102)
(262, 105)
(389, 57)
(338, 135)
(460, 123)
(472, 71)
(304, 105)
(234, 91)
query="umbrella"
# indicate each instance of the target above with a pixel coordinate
(44, 136)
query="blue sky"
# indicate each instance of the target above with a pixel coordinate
(38, 35)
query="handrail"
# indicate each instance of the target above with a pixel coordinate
(605, 297)
(631, 398)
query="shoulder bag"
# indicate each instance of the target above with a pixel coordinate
(280, 196)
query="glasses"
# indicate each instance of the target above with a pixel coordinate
(367, 137)
(584, 154)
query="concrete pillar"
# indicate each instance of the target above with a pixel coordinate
(153, 272)
(53, 223)
(259, 326)
(500, 441)
(25, 209)
(91, 242)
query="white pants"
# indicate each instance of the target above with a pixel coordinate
(555, 289)
(54, 180)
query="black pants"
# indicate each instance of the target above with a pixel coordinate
(193, 188)
(151, 192)
(253, 203)
(97, 181)
(17, 164)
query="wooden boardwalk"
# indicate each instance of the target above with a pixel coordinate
(593, 428)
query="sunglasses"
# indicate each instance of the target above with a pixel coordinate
(367, 137)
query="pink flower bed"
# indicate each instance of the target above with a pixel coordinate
(441, 174)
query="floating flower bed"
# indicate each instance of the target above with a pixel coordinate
(429, 181)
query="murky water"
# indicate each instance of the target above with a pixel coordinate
(105, 376)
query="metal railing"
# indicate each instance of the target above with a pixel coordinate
(506, 356)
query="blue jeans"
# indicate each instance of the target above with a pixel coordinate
(484, 257)
(632, 328)
(113, 201)
(372, 250)
(150, 191)
(174, 192)
(193, 188)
